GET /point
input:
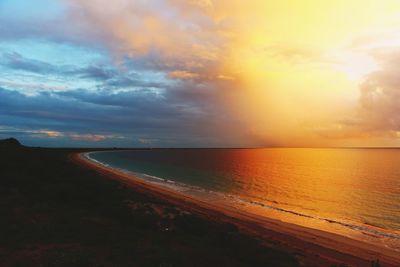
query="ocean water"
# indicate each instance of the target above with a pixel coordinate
(353, 192)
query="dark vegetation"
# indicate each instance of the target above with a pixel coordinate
(56, 213)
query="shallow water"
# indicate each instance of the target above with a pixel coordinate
(354, 192)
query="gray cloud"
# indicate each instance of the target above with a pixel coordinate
(378, 111)
(173, 117)
(123, 100)
(131, 79)
(104, 75)
(380, 96)
(96, 72)
(17, 61)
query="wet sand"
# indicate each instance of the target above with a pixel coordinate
(310, 246)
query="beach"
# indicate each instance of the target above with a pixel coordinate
(312, 247)
(60, 209)
(56, 212)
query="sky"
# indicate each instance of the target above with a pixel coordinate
(200, 73)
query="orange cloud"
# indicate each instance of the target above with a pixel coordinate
(182, 74)
(271, 65)
(48, 133)
(89, 137)
(53, 133)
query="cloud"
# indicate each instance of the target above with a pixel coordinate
(48, 133)
(17, 61)
(380, 96)
(95, 72)
(101, 75)
(294, 53)
(132, 79)
(161, 35)
(377, 115)
(90, 137)
(182, 74)
(175, 116)
(176, 40)
(187, 72)
(31, 132)
(147, 141)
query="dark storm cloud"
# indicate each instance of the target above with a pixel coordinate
(157, 83)
(141, 113)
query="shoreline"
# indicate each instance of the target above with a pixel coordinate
(314, 246)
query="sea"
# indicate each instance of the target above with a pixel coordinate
(351, 192)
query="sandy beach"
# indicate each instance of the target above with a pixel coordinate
(312, 247)
(56, 212)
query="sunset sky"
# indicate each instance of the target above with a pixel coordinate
(200, 73)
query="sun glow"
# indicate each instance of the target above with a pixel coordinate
(355, 65)
(303, 64)
(294, 73)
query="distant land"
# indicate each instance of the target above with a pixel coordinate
(10, 143)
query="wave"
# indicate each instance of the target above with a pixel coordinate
(366, 228)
